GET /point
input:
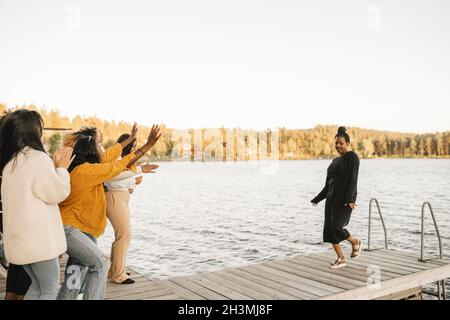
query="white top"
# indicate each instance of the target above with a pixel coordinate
(124, 181)
(32, 225)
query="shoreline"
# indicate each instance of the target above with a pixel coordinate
(299, 159)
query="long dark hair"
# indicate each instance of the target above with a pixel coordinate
(85, 147)
(342, 132)
(127, 150)
(19, 129)
(1, 205)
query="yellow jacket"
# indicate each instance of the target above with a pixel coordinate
(85, 207)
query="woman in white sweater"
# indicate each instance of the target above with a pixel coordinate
(32, 186)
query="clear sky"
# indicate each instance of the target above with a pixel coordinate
(248, 63)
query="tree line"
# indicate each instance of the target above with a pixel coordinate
(313, 143)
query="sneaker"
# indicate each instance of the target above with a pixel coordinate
(356, 252)
(339, 263)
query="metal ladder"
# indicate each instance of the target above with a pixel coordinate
(441, 293)
(370, 224)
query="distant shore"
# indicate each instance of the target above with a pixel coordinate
(152, 159)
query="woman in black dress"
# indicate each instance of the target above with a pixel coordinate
(340, 193)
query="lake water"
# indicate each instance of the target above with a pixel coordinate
(195, 217)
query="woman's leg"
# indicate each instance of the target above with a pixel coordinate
(17, 282)
(338, 220)
(353, 241)
(327, 236)
(46, 274)
(337, 249)
(86, 253)
(119, 216)
(34, 291)
(11, 296)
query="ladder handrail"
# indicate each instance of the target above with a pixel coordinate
(422, 233)
(370, 224)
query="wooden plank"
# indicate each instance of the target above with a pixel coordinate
(165, 297)
(395, 285)
(324, 265)
(307, 285)
(222, 290)
(145, 295)
(432, 259)
(391, 264)
(125, 287)
(238, 287)
(180, 291)
(141, 279)
(198, 289)
(361, 262)
(360, 269)
(135, 290)
(273, 293)
(306, 269)
(361, 265)
(313, 276)
(402, 295)
(364, 262)
(295, 292)
(394, 260)
(410, 260)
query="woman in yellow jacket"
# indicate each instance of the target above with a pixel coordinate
(84, 211)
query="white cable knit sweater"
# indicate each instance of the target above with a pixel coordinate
(32, 224)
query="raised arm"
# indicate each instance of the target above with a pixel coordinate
(127, 174)
(115, 151)
(151, 141)
(98, 173)
(132, 136)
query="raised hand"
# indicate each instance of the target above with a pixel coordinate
(153, 136)
(132, 136)
(148, 168)
(134, 131)
(63, 158)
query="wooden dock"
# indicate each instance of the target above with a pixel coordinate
(401, 276)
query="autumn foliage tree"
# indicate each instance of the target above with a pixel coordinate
(317, 142)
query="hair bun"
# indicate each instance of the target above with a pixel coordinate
(341, 130)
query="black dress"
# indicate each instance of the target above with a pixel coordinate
(17, 281)
(340, 190)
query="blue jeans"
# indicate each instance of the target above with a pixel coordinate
(85, 268)
(44, 279)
